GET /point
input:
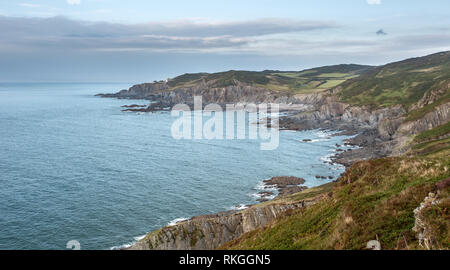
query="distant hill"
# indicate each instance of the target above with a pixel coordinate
(305, 81)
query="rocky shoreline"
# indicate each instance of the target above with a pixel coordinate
(231, 224)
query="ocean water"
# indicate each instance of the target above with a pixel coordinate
(74, 167)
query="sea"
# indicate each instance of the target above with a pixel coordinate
(74, 167)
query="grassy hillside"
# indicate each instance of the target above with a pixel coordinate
(306, 81)
(403, 82)
(432, 141)
(373, 200)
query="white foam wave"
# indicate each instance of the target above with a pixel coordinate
(320, 140)
(263, 186)
(135, 240)
(175, 221)
(257, 196)
(239, 207)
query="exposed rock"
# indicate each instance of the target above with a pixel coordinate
(157, 106)
(211, 231)
(290, 190)
(265, 193)
(133, 106)
(286, 185)
(284, 181)
(424, 233)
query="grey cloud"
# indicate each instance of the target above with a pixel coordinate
(406, 45)
(62, 33)
(58, 48)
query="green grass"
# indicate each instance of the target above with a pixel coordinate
(186, 78)
(433, 142)
(331, 83)
(334, 75)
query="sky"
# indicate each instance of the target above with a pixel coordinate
(140, 40)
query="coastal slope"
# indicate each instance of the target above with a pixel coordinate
(402, 202)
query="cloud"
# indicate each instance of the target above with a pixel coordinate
(374, 2)
(58, 48)
(62, 33)
(381, 32)
(59, 36)
(29, 5)
(73, 2)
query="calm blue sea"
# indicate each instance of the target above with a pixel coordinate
(74, 167)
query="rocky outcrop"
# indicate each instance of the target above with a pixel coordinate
(139, 91)
(236, 93)
(286, 185)
(211, 231)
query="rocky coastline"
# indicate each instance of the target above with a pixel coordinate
(376, 133)
(197, 232)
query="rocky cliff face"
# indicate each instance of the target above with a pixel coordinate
(237, 93)
(211, 231)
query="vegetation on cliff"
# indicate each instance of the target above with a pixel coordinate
(374, 199)
(404, 82)
(433, 141)
(306, 81)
